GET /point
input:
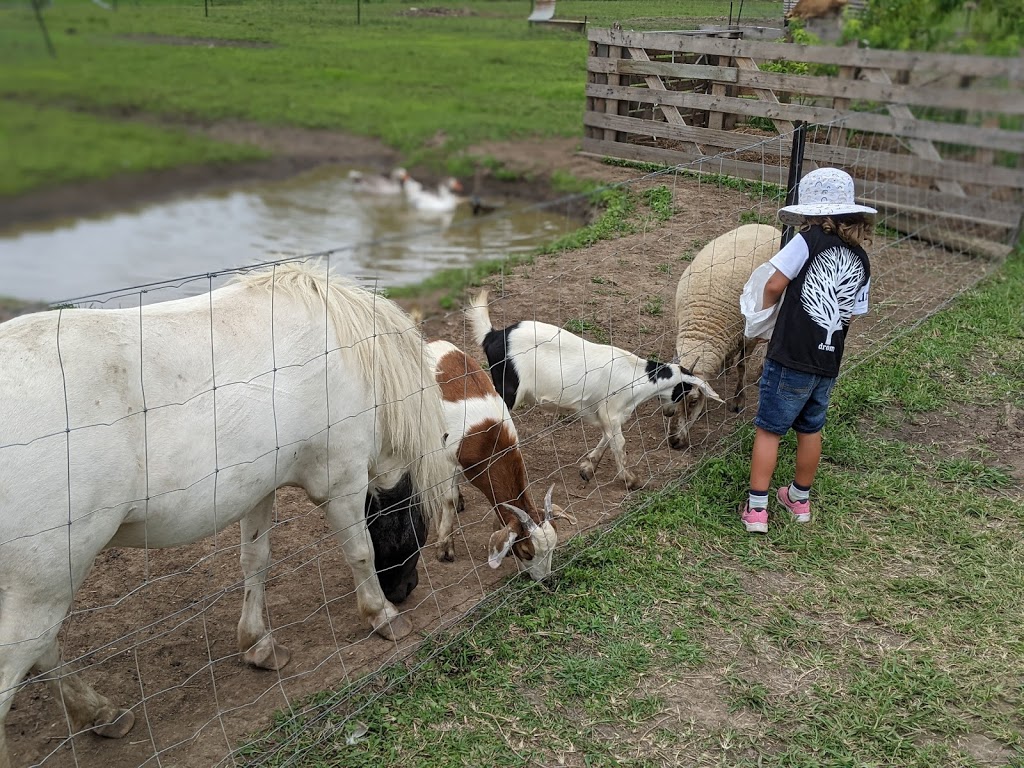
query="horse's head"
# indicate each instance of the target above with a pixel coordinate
(397, 529)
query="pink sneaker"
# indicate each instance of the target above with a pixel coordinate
(754, 520)
(801, 510)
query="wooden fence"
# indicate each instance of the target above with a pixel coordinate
(935, 141)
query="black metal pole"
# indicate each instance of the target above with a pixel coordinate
(206, 7)
(359, 12)
(42, 26)
(796, 161)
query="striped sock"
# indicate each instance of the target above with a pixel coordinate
(757, 499)
(798, 492)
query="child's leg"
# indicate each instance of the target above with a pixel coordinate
(808, 426)
(808, 456)
(762, 464)
(796, 498)
(774, 417)
(763, 460)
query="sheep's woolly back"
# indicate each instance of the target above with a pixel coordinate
(710, 325)
(393, 357)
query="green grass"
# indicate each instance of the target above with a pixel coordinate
(754, 217)
(659, 199)
(654, 306)
(694, 248)
(44, 145)
(583, 327)
(402, 78)
(885, 633)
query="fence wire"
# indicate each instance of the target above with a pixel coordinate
(154, 628)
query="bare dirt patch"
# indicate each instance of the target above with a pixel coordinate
(200, 42)
(991, 433)
(435, 12)
(156, 630)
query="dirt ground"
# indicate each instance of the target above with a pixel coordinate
(156, 630)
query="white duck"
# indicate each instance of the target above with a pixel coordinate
(441, 200)
(380, 184)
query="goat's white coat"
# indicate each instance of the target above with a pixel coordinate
(601, 383)
(461, 415)
(161, 426)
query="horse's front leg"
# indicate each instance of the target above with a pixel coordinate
(255, 644)
(345, 513)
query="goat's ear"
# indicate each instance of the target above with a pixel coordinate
(500, 543)
(557, 513)
(703, 386)
(553, 511)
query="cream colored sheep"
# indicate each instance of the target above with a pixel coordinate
(710, 326)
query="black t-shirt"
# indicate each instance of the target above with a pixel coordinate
(810, 331)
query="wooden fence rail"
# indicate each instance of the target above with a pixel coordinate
(935, 141)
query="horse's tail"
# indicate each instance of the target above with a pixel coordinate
(395, 363)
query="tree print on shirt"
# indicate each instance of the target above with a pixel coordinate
(830, 289)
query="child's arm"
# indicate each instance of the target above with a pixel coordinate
(787, 262)
(774, 288)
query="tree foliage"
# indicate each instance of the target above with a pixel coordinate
(994, 27)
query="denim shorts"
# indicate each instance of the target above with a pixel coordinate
(792, 399)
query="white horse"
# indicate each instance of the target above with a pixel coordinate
(161, 426)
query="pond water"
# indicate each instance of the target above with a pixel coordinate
(377, 239)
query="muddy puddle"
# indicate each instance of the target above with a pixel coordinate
(378, 239)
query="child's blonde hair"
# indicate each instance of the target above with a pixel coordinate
(854, 228)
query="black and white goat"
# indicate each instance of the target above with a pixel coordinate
(533, 362)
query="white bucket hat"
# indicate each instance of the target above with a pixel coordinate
(823, 192)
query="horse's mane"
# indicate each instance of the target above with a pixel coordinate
(392, 355)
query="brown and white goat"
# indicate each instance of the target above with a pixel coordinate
(483, 447)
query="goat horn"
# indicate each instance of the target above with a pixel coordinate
(548, 511)
(524, 518)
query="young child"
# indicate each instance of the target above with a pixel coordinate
(825, 273)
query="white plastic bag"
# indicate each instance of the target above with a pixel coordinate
(760, 321)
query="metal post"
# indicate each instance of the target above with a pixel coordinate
(206, 7)
(42, 26)
(359, 12)
(796, 161)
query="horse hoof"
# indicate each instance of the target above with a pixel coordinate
(677, 443)
(586, 472)
(267, 655)
(392, 628)
(632, 482)
(445, 555)
(118, 727)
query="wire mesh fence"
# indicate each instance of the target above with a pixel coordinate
(136, 441)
